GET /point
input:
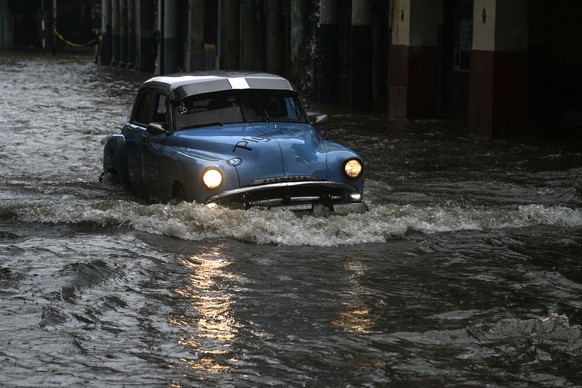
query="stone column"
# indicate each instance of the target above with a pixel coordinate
(170, 37)
(413, 72)
(329, 52)
(115, 32)
(300, 44)
(230, 34)
(145, 36)
(249, 32)
(123, 33)
(6, 26)
(274, 38)
(131, 44)
(106, 38)
(498, 69)
(362, 56)
(196, 31)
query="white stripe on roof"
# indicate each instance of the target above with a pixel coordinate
(238, 83)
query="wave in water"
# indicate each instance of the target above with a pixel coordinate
(196, 222)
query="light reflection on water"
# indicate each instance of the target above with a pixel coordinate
(214, 326)
(354, 315)
(354, 312)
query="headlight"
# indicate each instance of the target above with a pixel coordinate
(353, 168)
(212, 178)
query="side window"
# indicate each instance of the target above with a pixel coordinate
(160, 109)
(151, 107)
(144, 108)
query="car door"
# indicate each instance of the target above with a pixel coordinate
(142, 163)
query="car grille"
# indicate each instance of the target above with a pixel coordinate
(301, 204)
(301, 196)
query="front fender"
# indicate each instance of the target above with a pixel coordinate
(115, 158)
(186, 167)
(337, 155)
(196, 189)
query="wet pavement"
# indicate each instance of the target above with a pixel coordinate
(466, 270)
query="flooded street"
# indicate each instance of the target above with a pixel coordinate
(467, 270)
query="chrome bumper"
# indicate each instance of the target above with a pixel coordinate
(338, 197)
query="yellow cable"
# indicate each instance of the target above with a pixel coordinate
(71, 43)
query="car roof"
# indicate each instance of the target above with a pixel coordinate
(181, 85)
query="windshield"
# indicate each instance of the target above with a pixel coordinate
(236, 106)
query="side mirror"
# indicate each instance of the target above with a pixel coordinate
(321, 120)
(156, 128)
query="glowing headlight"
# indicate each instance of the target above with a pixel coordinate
(212, 178)
(353, 168)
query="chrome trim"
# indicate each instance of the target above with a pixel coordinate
(292, 178)
(309, 184)
(280, 201)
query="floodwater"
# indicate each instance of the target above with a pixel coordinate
(467, 270)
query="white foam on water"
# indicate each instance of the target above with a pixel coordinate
(382, 223)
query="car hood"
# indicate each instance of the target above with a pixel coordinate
(268, 152)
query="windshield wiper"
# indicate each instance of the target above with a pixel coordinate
(267, 115)
(214, 124)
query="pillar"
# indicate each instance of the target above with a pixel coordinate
(498, 68)
(131, 43)
(170, 42)
(54, 22)
(299, 44)
(43, 26)
(195, 54)
(274, 38)
(122, 33)
(362, 56)
(6, 26)
(145, 36)
(249, 35)
(413, 68)
(230, 34)
(115, 32)
(105, 38)
(329, 52)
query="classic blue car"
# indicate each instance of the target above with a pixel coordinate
(234, 139)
